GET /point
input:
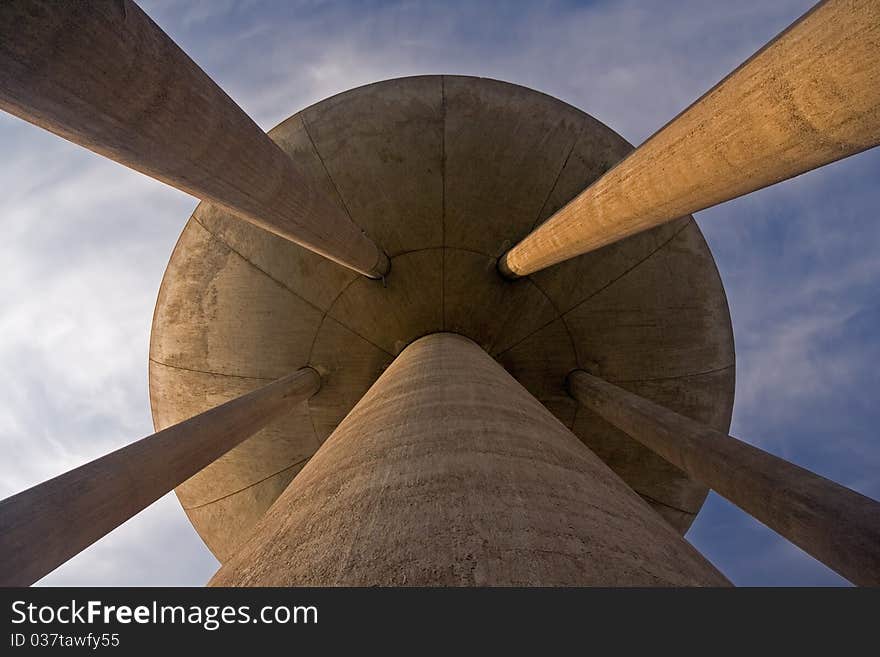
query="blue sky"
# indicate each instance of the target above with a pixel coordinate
(85, 243)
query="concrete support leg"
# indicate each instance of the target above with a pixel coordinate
(46, 525)
(104, 76)
(448, 472)
(834, 524)
(810, 97)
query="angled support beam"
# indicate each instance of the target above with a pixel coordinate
(106, 77)
(809, 97)
(832, 523)
(46, 525)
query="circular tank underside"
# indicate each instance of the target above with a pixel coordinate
(445, 173)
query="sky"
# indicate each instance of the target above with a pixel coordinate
(85, 242)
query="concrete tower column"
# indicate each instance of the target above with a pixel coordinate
(46, 525)
(104, 76)
(809, 97)
(448, 472)
(832, 523)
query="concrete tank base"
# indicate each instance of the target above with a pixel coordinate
(446, 173)
(449, 473)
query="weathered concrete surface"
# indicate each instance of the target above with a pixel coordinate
(241, 305)
(810, 97)
(104, 76)
(836, 525)
(46, 525)
(448, 472)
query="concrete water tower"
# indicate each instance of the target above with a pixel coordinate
(440, 330)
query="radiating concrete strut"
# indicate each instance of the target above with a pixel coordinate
(46, 525)
(105, 76)
(836, 525)
(809, 97)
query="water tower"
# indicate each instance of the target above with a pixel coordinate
(441, 330)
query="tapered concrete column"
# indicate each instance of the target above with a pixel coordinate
(46, 525)
(448, 472)
(104, 76)
(834, 524)
(810, 97)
